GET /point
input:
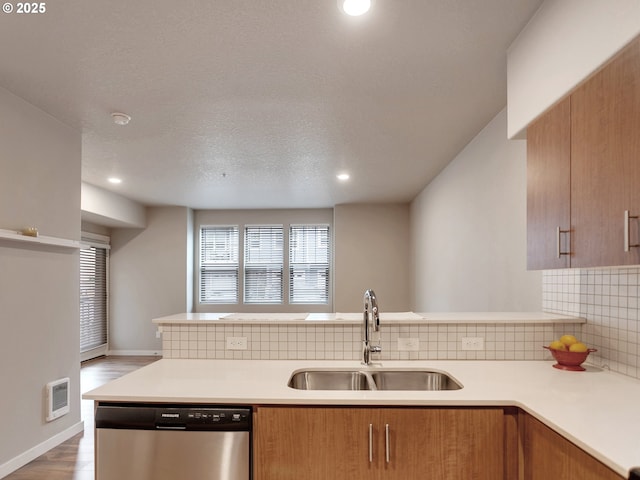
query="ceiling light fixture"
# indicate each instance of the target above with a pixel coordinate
(114, 180)
(354, 7)
(343, 177)
(120, 118)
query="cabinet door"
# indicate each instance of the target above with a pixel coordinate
(443, 443)
(548, 455)
(320, 443)
(549, 188)
(605, 162)
(293, 443)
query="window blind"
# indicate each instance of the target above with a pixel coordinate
(219, 264)
(309, 256)
(93, 298)
(263, 264)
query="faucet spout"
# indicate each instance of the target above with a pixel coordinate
(371, 322)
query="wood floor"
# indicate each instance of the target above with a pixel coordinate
(73, 459)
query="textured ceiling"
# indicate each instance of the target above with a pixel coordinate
(256, 103)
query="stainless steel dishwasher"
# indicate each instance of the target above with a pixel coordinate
(168, 442)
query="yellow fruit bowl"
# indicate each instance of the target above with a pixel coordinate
(570, 360)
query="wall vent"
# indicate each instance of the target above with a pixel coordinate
(57, 398)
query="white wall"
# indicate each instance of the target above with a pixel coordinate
(372, 251)
(150, 270)
(40, 163)
(564, 42)
(110, 209)
(468, 231)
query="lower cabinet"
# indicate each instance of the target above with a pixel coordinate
(379, 443)
(547, 455)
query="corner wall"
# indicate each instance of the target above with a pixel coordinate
(609, 299)
(468, 231)
(372, 251)
(40, 161)
(150, 275)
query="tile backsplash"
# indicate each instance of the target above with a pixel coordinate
(502, 341)
(608, 299)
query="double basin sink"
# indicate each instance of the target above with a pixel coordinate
(370, 379)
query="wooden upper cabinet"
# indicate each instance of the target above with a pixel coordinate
(583, 172)
(605, 163)
(549, 188)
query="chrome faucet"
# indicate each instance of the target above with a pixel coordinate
(371, 322)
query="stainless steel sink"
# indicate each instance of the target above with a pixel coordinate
(396, 379)
(329, 380)
(414, 380)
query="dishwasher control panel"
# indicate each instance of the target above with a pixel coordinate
(198, 417)
(173, 417)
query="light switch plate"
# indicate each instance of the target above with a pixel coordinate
(236, 343)
(408, 344)
(472, 343)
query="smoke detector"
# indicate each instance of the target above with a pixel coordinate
(120, 118)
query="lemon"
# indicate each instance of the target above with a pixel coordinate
(578, 347)
(557, 345)
(568, 340)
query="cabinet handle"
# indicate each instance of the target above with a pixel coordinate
(370, 442)
(559, 252)
(386, 435)
(627, 233)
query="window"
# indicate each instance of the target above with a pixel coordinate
(263, 264)
(219, 264)
(309, 264)
(93, 298)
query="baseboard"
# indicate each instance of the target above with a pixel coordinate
(136, 353)
(93, 353)
(33, 453)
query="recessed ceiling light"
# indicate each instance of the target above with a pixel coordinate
(343, 177)
(354, 7)
(120, 118)
(114, 180)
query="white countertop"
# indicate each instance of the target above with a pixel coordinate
(356, 318)
(597, 410)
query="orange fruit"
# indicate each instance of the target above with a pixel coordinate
(568, 340)
(578, 347)
(557, 345)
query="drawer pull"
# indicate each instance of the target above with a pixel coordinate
(386, 435)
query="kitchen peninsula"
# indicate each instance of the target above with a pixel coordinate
(595, 410)
(518, 400)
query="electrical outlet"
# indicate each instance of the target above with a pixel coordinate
(472, 343)
(236, 343)
(408, 344)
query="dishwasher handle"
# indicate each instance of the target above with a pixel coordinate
(131, 418)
